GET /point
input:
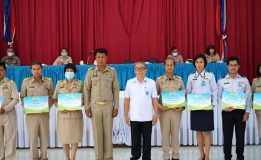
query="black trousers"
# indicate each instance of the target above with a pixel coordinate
(229, 120)
(141, 130)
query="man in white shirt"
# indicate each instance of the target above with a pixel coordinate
(231, 117)
(141, 110)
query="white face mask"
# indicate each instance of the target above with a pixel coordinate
(175, 54)
(69, 75)
(10, 54)
(64, 54)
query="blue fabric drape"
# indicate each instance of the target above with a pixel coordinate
(124, 71)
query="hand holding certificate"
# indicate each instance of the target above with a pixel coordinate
(236, 100)
(199, 101)
(37, 104)
(70, 101)
(257, 101)
(173, 99)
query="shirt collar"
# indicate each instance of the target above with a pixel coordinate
(33, 80)
(4, 80)
(202, 74)
(65, 82)
(228, 76)
(166, 77)
(105, 70)
(136, 80)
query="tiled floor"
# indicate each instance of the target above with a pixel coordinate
(187, 153)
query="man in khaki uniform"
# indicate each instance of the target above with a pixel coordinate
(101, 101)
(63, 59)
(256, 88)
(11, 59)
(9, 93)
(37, 124)
(170, 118)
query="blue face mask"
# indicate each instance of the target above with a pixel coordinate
(69, 75)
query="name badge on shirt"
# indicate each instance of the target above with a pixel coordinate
(147, 93)
(203, 83)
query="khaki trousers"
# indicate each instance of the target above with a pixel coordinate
(170, 125)
(258, 118)
(102, 122)
(38, 126)
(8, 135)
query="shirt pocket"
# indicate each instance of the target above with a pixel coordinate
(6, 92)
(94, 81)
(109, 81)
(241, 86)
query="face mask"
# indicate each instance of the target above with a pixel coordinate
(175, 54)
(10, 54)
(69, 75)
(64, 54)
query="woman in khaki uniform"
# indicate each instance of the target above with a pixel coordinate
(256, 87)
(69, 123)
(170, 117)
(211, 55)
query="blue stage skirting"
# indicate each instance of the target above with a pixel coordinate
(125, 72)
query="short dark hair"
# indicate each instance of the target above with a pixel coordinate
(101, 50)
(210, 47)
(168, 59)
(258, 70)
(174, 47)
(232, 58)
(200, 56)
(10, 47)
(64, 49)
(36, 63)
(2, 64)
(70, 66)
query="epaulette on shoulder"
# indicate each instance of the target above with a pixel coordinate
(192, 73)
(160, 77)
(92, 68)
(47, 78)
(111, 68)
(78, 80)
(221, 78)
(255, 79)
(178, 77)
(28, 78)
(59, 81)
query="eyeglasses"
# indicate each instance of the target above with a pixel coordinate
(140, 68)
(233, 65)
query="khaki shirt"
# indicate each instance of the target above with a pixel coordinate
(10, 94)
(32, 88)
(213, 59)
(165, 84)
(62, 60)
(63, 87)
(11, 61)
(256, 85)
(101, 87)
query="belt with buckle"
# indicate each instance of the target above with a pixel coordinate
(101, 103)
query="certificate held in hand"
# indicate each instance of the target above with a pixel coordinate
(237, 100)
(70, 101)
(37, 104)
(257, 101)
(173, 99)
(199, 101)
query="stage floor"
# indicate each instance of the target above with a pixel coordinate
(187, 153)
